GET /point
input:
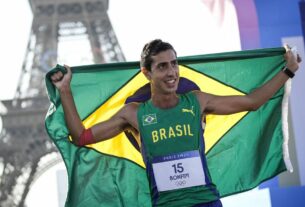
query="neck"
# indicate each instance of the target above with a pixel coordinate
(165, 101)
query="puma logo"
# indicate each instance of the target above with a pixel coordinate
(189, 111)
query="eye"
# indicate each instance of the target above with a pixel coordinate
(162, 66)
(174, 63)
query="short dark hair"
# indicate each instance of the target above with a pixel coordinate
(152, 48)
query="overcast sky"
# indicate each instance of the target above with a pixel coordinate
(190, 25)
(15, 22)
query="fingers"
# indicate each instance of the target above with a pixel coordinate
(299, 59)
(288, 55)
(58, 76)
(287, 47)
(68, 69)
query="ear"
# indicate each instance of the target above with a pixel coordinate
(146, 72)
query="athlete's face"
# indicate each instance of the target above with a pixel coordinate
(164, 74)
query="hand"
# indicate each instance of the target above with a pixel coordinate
(61, 80)
(292, 61)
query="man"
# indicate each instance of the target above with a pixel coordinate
(170, 125)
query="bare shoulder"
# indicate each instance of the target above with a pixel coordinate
(129, 113)
(130, 107)
(198, 94)
(203, 98)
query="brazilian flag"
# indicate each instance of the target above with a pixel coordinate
(243, 149)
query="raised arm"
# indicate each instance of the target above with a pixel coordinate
(232, 104)
(122, 120)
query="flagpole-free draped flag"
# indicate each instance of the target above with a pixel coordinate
(243, 149)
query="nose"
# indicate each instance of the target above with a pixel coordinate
(171, 70)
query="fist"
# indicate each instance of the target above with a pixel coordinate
(60, 79)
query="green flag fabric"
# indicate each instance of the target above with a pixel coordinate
(242, 149)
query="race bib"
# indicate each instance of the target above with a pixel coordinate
(176, 171)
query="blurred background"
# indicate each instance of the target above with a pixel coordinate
(38, 34)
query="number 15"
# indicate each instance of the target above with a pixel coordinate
(178, 168)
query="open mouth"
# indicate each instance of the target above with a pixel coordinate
(171, 82)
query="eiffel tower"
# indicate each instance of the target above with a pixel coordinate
(23, 140)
